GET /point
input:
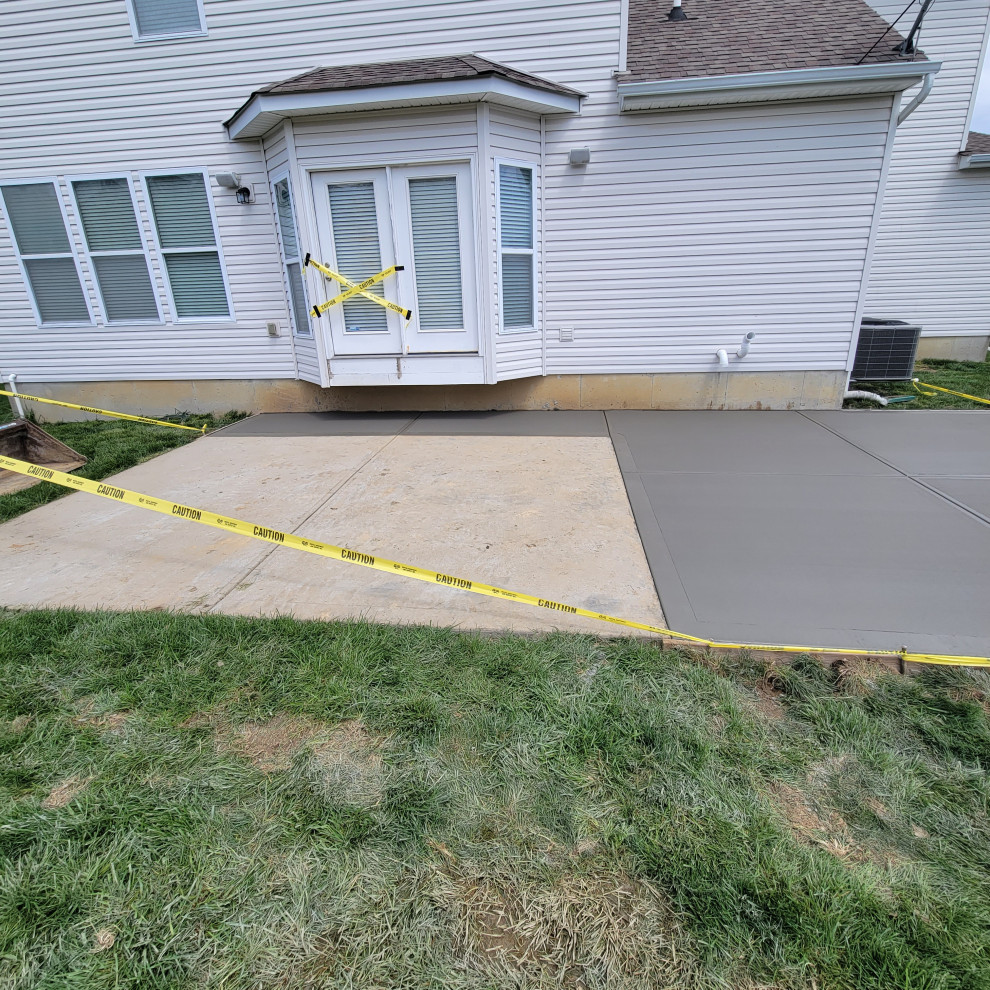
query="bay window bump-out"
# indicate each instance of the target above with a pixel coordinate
(187, 239)
(516, 221)
(116, 249)
(38, 227)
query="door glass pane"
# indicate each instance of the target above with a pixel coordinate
(517, 290)
(358, 251)
(125, 287)
(436, 252)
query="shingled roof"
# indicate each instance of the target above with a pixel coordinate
(725, 37)
(445, 67)
(978, 144)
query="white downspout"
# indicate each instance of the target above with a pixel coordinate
(926, 88)
(17, 399)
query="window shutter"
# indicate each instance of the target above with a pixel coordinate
(109, 227)
(517, 252)
(38, 228)
(436, 252)
(156, 18)
(184, 223)
(354, 219)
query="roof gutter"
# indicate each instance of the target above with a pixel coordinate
(981, 160)
(774, 87)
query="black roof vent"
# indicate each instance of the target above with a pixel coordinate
(676, 13)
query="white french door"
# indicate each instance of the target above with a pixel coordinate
(416, 216)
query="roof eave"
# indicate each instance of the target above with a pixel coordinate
(972, 160)
(773, 87)
(264, 110)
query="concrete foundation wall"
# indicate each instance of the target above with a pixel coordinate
(954, 348)
(739, 390)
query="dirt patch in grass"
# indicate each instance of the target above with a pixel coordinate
(349, 764)
(65, 792)
(768, 700)
(102, 721)
(574, 930)
(17, 725)
(272, 745)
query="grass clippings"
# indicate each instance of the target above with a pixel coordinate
(322, 805)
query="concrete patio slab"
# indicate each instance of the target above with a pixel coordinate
(319, 424)
(760, 530)
(951, 443)
(542, 515)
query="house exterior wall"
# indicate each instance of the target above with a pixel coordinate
(931, 265)
(686, 229)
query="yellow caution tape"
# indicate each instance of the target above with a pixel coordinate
(357, 289)
(103, 412)
(938, 388)
(281, 538)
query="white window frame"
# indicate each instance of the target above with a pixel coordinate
(187, 320)
(72, 253)
(144, 38)
(89, 255)
(533, 167)
(274, 179)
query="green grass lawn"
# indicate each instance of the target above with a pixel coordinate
(971, 377)
(110, 445)
(206, 801)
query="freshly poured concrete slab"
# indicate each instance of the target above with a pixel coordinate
(759, 530)
(721, 442)
(90, 552)
(319, 424)
(521, 423)
(542, 515)
(974, 493)
(954, 443)
(547, 516)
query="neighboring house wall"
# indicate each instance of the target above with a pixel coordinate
(932, 260)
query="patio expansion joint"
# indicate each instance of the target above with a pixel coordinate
(218, 600)
(904, 474)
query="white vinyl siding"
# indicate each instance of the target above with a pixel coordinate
(116, 249)
(37, 222)
(436, 252)
(931, 265)
(289, 239)
(187, 241)
(517, 246)
(153, 20)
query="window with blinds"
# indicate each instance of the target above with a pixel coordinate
(116, 249)
(290, 258)
(152, 19)
(188, 241)
(34, 215)
(354, 219)
(517, 256)
(436, 252)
